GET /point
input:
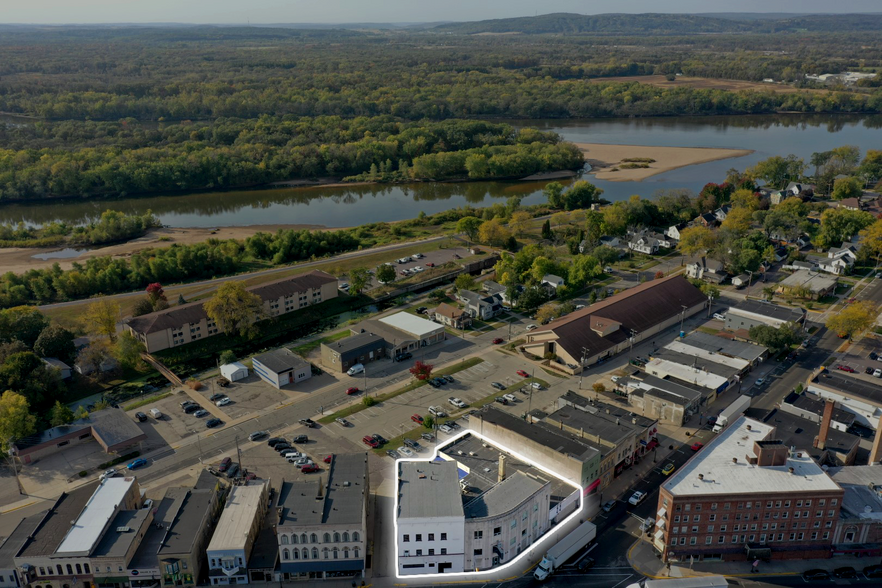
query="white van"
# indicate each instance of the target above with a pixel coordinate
(156, 413)
(356, 369)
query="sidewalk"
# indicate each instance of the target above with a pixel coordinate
(645, 560)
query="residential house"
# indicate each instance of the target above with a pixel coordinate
(479, 306)
(839, 260)
(781, 253)
(700, 267)
(491, 287)
(664, 241)
(722, 212)
(804, 191)
(674, 231)
(849, 203)
(816, 284)
(799, 265)
(643, 243)
(452, 316)
(55, 363)
(803, 241)
(706, 220)
(554, 282)
(741, 281)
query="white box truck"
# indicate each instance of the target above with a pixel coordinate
(156, 413)
(732, 412)
(565, 549)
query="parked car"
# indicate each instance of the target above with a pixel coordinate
(760, 381)
(696, 446)
(712, 420)
(877, 373)
(281, 448)
(875, 571)
(186, 403)
(405, 451)
(140, 417)
(138, 463)
(536, 386)
(403, 356)
(845, 368)
(433, 383)
(300, 439)
(437, 411)
(392, 453)
(225, 464)
(309, 468)
(448, 378)
(669, 469)
(445, 429)
(342, 422)
(498, 385)
(191, 408)
(223, 401)
(440, 381)
(212, 423)
(307, 423)
(416, 418)
(291, 455)
(522, 374)
(456, 402)
(501, 400)
(647, 524)
(329, 458)
(845, 573)
(231, 473)
(356, 369)
(510, 397)
(421, 310)
(637, 498)
(498, 340)
(200, 413)
(816, 575)
(302, 461)
(379, 439)
(532, 327)
(257, 435)
(427, 437)
(586, 563)
(352, 390)
(608, 506)
(873, 356)
(275, 441)
(413, 444)
(719, 316)
(108, 474)
(370, 441)
(868, 370)
(608, 269)
(216, 396)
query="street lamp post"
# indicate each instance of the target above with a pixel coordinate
(682, 318)
(582, 367)
(749, 280)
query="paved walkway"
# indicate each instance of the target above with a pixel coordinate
(645, 560)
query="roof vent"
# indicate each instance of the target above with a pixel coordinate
(790, 470)
(123, 529)
(701, 476)
(734, 460)
(748, 427)
(346, 484)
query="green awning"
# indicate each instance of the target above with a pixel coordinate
(112, 580)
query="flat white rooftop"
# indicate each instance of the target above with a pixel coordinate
(662, 367)
(239, 513)
(723, 476)
(732, 362)
(85, 532)
(409, 323)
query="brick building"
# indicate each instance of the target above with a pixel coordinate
(747, 495)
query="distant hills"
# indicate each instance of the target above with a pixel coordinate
(563, 23)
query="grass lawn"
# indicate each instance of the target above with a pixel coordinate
(306, 348)
(146, 400)
(355, 408)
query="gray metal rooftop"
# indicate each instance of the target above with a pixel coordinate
(341, 502)
(280, 360)
(16, 540)
(851, 387)
(559, 441)
(670, 385)
(353, 342)
(801, 433)
(145, 555)
(604, 410)
(809, 402)
(301, 503)
(56, 522)
(116, 543)
(504, 496)
(863, 491)
(192, 510)
(725, 346)
(771, 310)
(711, 367)
(428, 490)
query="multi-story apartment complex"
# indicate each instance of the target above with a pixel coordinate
(747, 495)
(322, 528)
(189, 322)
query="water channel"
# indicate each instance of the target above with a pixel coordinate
(353, 205)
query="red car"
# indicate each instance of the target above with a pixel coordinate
(309, 468)
(417, 419)
(430, 264)
(696, 446)
(328, 458)
(353, 390)
(498, 340)
(370, 441)
(523, 374)
(845, 368)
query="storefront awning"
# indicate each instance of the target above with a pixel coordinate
(593, 486)
(112, 580)
(661, 513)
(659, 534)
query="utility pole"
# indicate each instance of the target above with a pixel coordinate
(749, 280)
(582, 366)
(238, 453)
(682, 318)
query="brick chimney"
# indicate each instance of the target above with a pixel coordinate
(825, 424)
(501, 468)
(876, 451)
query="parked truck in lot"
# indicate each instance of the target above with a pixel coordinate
(732, 412)
(564, 549)
(702, 582)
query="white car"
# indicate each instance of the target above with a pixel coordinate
(445, 428)
(356, 369)
(580, 306)
(341, 421)
(510, 397)
(637, 498)
(437, 411)
(303, 461)
(108, 474)
(877, 373)
(405, 451)
(418, 268)
(458, 403)
(291, 455)
(536, 386)
(532, 327)
(719, 316)
(223, 401)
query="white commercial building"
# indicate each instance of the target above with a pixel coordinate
(426, 332)
(703, 354)
(236, 532)
(663, 368)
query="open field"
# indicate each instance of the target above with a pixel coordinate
(661, 81)
(606, 159)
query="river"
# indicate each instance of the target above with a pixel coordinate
(766, 135)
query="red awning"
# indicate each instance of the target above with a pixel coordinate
(592, 487)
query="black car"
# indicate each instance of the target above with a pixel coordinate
(873, 355)
(873, 571)
(308, 422)
(586, 563)
(141, 417)
(187, 403)
(452, 424)
(868, 370)
(498, 386)
(501, 400)
(275, 441)
(191, 408)
(217, 396)
(379, 439)
(449, 379)
(421, 310)
(403, 356)
(212, 423)
(816, 575)
(440, 381)
(433, 383)
(300, 439)
(846, 573)
(280, 447)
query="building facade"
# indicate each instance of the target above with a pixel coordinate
(281, 367)
(363, 348)
(235, 534)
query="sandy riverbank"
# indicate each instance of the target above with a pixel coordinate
(20, 259)
(605, 159)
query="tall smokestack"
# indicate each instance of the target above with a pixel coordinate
(501, 468)
(876, 452)
(825, 424)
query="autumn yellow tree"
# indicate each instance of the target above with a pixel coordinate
(234, 309)
(871, 242)
(853, 319)
(16, 421)
(101, 317)
(493, 232)
(697, 240)
(546, 312)
(738, 220)
(519, 222)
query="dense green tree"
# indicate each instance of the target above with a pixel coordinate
(777, 171)
(23, 323)
(234, 309)
(359, 278)
(16, 421)
(775, 339)
(847, 188)
(60, 414)
(56, 341)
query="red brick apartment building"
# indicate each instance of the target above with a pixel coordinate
(746, 495)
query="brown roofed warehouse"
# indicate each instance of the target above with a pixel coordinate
(188, 322)
(603, 329)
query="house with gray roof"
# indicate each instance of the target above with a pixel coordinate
(480, 306)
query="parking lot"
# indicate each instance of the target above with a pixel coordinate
(857, 357)
(425, 261)
(247, 396)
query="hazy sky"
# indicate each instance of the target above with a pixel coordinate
(349, 11)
